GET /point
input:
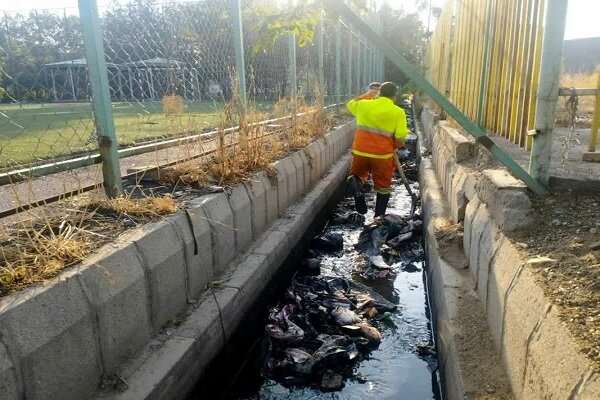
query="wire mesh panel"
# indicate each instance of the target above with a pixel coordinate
(44, 97)
(329, 60)
(170, 66)
(267, 66)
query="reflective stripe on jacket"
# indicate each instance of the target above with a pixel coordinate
(378, 122)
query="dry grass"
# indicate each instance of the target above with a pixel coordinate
(38, 248)
(35, 251)
(255, 146)
(144, 207)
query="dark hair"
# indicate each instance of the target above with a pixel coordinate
(388, 89)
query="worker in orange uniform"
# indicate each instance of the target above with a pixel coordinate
(381, 128)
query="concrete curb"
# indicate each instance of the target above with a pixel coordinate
(523, 323)
(220, 311)
(107, 316)
(469, 363)
(506, 197)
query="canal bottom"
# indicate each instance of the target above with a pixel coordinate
(403, 366)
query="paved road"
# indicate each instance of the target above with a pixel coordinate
(566, 160)
(36, 189)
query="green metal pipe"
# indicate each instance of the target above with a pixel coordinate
(547, 98)
(415, 76)
(101, 101)
(349, 64)
(238, 44)
(293, 90)
(485, 69)
(338, 61)
(320, 48)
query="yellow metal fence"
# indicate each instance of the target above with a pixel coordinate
(485, 56)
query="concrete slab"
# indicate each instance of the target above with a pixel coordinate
(51, 330)
(505, 267)
(457, 197)
(299, 166)
(287, 167)
(242, 217)
(170, 369)
(252, 275)
(518, 324)
(220, 217)
(9, 386)
(273, 244)
(117, 287)
(257, 193)
(280, 180)
(470, 213)
(481, 223)
(163, 257)
(470, 365)
(232, 307)
(489, 244)
(306, 168)
(272, 196)
(506, 198)
(194, 231)
(313, 153)
(462, 148)
(543, 378)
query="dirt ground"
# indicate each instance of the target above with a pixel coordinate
(564, 250)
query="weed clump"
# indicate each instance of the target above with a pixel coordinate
(38, 249)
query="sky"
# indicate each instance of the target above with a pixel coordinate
(582, 18)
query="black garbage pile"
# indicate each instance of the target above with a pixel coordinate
(384, 239)
(321, 329)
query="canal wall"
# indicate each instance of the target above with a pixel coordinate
(143, 317)
(488, 305)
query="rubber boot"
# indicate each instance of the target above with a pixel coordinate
(355, 188)
(381, 204)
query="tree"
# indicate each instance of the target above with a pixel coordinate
(408, 33)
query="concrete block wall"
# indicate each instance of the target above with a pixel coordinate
(108, 316)
(540, 356)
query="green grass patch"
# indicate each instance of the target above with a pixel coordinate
(34, 132)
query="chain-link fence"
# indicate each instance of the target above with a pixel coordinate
(170, 68)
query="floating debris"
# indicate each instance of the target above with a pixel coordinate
(329, 242)
(323, 327)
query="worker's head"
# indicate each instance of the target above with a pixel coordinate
(374, 85)
(389, 90)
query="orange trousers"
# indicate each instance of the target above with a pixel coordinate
(381, 170)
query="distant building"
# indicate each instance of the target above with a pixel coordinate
(582, 55)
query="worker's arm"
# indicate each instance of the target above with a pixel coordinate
(401, 129)
(354, 103)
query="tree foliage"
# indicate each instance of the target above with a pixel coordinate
(197, 34)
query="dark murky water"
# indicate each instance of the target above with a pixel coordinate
(404, 366)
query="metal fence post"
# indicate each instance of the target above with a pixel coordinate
(541, 151)
(485, 69)
(596, 118)
(358, 74)
(105, 127)
(292, 67)
(321, 52)
(350, 60)
(338, 61)
(238, 44)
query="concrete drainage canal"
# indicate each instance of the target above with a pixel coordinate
(347, 317)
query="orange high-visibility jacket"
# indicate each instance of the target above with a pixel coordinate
(378, 122)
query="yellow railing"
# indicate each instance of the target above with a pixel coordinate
(485, 55)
